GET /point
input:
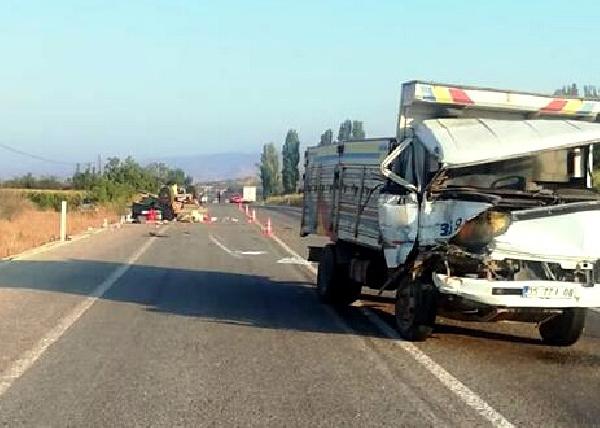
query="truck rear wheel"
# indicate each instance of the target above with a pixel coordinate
(564, 329)
(415, 309)
(333, 284)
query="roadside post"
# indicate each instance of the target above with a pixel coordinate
(63, 221)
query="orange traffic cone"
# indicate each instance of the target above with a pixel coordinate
(269, 228)
(151, 216)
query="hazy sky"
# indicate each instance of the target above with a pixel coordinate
(152, 78)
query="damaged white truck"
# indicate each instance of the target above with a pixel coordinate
(480, 209)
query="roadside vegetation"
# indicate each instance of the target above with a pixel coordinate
(29, 206)
(292, 200)
(115, 186)
(121, 180)
(23, 225)
(285, 180)
(596, 177)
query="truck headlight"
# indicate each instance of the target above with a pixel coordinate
(482, 229)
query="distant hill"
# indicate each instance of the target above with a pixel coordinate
(208, 167)
(216, 166)
(15, 165)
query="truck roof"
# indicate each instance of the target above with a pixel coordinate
(487, 98)
(463, 142)
(483, 88)
(430, 100)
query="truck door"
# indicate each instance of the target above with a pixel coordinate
(399, 206)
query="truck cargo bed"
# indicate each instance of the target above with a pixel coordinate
(341, 189)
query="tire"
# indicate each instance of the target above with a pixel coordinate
(333, 285)
(168, 214)
(415, 309)
(564, 329)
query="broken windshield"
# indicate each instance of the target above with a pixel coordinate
(556, 169)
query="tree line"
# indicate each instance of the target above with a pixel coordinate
(121, 179)
(276, 180)
(590, 92)
(118, 181)
(29, 181)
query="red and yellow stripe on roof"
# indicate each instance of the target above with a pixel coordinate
(503, 100)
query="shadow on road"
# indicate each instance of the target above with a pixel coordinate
(219, 297)
(484, 334)
(447, 330)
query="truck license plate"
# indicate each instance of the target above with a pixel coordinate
(548, 292)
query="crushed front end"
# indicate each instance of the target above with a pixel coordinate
(531, 251)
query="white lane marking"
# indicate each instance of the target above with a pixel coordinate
(27, 359)
(453, 384)
(223, 247)
(463, 392)
(293, 261)
(234, 253)
(309, 265)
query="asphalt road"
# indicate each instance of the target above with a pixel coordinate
(505, 363)
(217, 324)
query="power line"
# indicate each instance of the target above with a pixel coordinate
(33, 156)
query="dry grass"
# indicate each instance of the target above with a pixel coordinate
(23, 227)
(11, 204)
(294, 200)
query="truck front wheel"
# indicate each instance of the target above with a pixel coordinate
(415, 309)
(333, 284)
(564, 329)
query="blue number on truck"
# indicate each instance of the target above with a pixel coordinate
(446, 229)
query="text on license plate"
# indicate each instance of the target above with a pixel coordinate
(549, 292)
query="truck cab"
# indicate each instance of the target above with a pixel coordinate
(485, 211)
